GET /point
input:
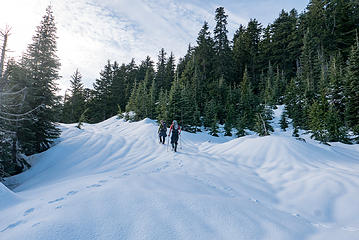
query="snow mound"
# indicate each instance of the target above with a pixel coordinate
(7, 197)
(113, 180)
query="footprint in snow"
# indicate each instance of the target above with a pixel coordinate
(13, 225)
(36, 224)
(58, 207)
(123, 175)
(56, 200)
(28, 211)
(350, 229)
(102, 181)
(94, 185)
(71, 193)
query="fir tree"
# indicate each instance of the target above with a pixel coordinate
(204, 64)
(74, 105)
(317, 122)
(247, 101)
(162, 107)
(336, 88)
(241, 125)
(162, 74)
(352, 91)
(283, 121)
(269, 89)
(170, 71)
(118, 89)
(41, 65)
(187, 109)
(102, 107)
(221, 45)
(229, 123)
(174, 104)
(337, 132)
(210, 117)
(210, 114)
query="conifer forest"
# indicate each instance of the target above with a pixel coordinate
(307, 61)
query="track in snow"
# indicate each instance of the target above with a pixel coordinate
(113, 180)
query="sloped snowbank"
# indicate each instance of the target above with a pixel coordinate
(113, 180)
(7, 197)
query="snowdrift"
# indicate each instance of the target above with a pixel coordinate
(7, 197)
(113, 180)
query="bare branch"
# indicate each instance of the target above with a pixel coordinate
(5, 34)
(21, 114)
(12, 93)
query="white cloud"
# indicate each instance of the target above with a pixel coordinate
(92, 31)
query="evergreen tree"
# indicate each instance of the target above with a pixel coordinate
(210, 113)
(187, 109)
(336, 88)
(175, 101)
(317, 121)
(293, 103)
(196, 118)
(131, 76)
(241, 125)
(240, 52)
(162, 108)
(337, 132)
(74, 105)
(103, 106)
(224, 60)
(295, 132)
(152, 98)
(118, 89)
(12, 116)
(170, 71)
(41, 65)
(247, 102)
(284, 39)
(316, 23)
(210, 118)
(341, 20)
(162, 74)
(269, 89)
(132, 102)
(230, 119)
(203, 68)
(352, 91)
(283, 121)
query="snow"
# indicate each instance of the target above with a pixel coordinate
(7, 197)
(113, 180)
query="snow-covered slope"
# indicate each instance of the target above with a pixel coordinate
(113, 180)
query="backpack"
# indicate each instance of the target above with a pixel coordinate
(175, 132)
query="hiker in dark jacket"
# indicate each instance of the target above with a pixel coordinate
(162, 132)
(175, 129)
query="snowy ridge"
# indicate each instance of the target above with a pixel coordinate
(113, 180)
(7, 197)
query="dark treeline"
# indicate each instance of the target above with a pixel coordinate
(307, 61)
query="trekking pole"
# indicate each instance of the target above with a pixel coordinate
(180, 141)
(168, 142)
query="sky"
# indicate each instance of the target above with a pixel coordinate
(90, 32)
